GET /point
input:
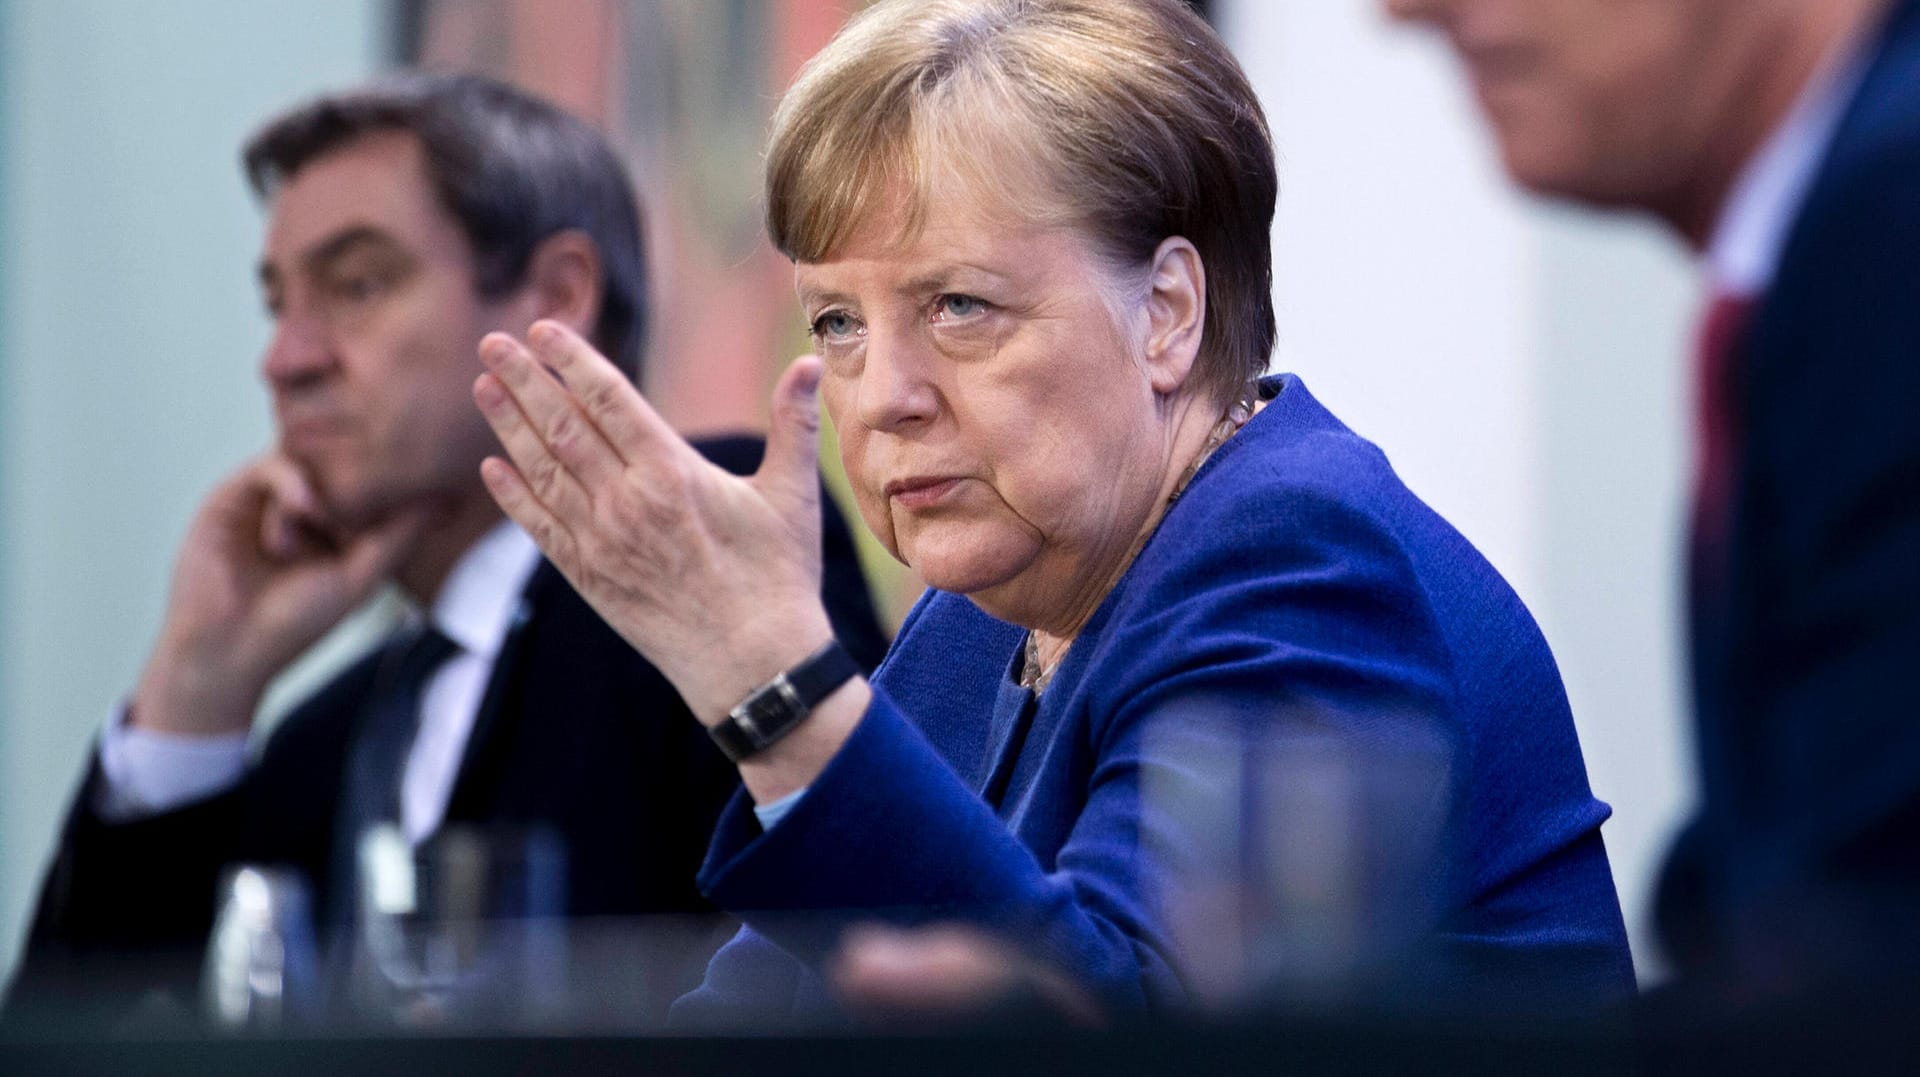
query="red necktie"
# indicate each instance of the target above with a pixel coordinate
(1719, 423)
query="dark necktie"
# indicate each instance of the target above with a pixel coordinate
(1718, 434)
(377, 757)
(393, 721)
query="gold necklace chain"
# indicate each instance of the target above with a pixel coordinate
(1035, 674)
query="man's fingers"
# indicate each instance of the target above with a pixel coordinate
(290, 488)
(285, 508)
(791, 468)
(616, 408)
(556, 485)
(551, 411)
(280, 534)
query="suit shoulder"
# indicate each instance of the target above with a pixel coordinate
(1294, 484)
(1860, 222)
(738, 453)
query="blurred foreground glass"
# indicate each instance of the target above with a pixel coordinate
(262, 971)
(466, 930)
(465, 933)
(1312, 868)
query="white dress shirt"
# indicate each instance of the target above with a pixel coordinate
(147, 772)
(1744, 251)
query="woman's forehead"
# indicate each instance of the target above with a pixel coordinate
(947, 238)
(945, 208)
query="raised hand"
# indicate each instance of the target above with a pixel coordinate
(261, 576)
(713, 577)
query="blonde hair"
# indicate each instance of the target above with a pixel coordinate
(1127, 119)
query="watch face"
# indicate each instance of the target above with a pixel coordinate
(768, 712)
(762, 715)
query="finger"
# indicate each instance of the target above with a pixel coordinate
(558, 488)
(280, 535)
(551, 410)
(791, 469)
(293, 521)
(515, 498)
(928, 970)
(616, 408)
(953, 970)
(290, 488)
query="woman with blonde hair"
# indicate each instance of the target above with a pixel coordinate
(1031, 241)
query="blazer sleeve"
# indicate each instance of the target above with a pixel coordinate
(890, 831)
(125, 907)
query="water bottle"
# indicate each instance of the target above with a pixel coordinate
(262, 973)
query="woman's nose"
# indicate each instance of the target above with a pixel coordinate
(895, 389)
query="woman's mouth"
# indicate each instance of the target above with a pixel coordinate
(921, 492)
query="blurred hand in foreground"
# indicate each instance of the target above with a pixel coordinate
(953, 974)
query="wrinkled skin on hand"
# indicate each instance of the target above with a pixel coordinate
(714, 577)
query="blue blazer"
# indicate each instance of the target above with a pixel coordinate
(1806, 662)
(1296, 593)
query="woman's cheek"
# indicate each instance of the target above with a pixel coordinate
(873, 512)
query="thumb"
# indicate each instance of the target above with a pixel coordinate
(791, 469)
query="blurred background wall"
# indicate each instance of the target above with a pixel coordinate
(129, 328)
(1524, 368)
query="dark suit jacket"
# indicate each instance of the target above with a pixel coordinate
(577, 734)
(1804, 863)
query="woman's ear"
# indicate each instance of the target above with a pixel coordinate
(1176, 313)
(565, 281)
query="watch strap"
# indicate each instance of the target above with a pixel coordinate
(772, 710)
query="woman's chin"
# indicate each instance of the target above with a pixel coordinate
(973, 567)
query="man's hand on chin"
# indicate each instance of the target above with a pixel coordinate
(263, 574)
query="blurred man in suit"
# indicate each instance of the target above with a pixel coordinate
(405, 221)
(1781, 139)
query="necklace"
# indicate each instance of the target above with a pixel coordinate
(1036, 674)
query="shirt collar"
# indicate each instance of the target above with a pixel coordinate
(477, 605)
(1752, 230)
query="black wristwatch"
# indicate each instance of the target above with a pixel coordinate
(772, 710)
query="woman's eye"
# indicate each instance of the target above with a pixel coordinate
(959, 306)
(835, 323)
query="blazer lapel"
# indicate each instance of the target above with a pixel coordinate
(1023, 736)
(1007, 732)
(1025, 726)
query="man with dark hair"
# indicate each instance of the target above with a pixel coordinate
(510, 169)
(1781, 139)
(406, 220)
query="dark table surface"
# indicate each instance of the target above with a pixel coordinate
(1654, 1039)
